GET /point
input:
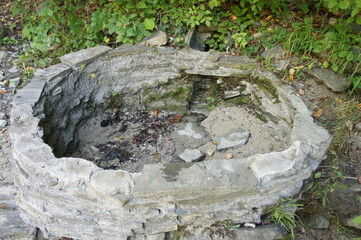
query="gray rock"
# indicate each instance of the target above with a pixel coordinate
(277, 52)
(191, 155)
(3, 123)
(3, 31)
(166, 50)
(195, 39)
(346, 203)
(2, 115)
(231, 94)
(14, 82)
(210, 66)
(266, 232)
(237, 62)
(157, 38)
(358, 126)
(3, 56)
(82, 57)
(237, 138)
(188, 135)
(330, 79)
(318, 221)
(282, 65)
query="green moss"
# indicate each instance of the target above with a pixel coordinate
(266, 86)
(115, 100)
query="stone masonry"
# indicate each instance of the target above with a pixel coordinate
(72, 197)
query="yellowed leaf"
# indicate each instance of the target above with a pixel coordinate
(155, 113)
(3, 91)
(118, 138)
(233, 17)
(338, 100)
(349, 125)
(30, 69)
(318, 113)
(291, 74)
(214, 142)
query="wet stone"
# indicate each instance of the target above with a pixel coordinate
(191, 155)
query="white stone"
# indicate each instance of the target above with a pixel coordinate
(3, 123)
(191, 155)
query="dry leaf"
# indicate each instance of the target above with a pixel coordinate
(155, 113)
(318, 112)
(176, 118)
(2, 91)
(233, 17)
(291, 74)
(3, 206)
(118, 138)
(214, 142)
(30, 69)
(301, 92)
(359, 180)
(359, 105)
(338, 100)
(349, 125)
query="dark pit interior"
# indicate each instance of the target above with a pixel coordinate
(132, 128)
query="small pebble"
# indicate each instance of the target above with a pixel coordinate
(301, 92)
(210, 152)
(250, 225)
(3, 123)
(358, 126)
(229, 156)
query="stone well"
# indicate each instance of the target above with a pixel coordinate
(72, 197)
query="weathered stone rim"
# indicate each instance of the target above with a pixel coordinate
(38, 168)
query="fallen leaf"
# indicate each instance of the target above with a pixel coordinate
(3, 206)
(318, 112)
(2, 91)
(118, 138)
(338, 100)
(349, 125)
(301, 92)
(155, 113)
(359, 180)
(291, 74)
(176, 118)
(359, 105)
(214, 143)
(30, 69)
(233, 17)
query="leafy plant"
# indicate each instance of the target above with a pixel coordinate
(351, 7)
(284, 214)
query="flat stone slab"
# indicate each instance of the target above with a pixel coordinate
(277, 52)
(189, 135)
(157, 38)
(83, 56)
(237, 138)
(330, 79)
(231, 94)
(191, 155)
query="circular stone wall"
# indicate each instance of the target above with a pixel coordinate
(72, 197)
